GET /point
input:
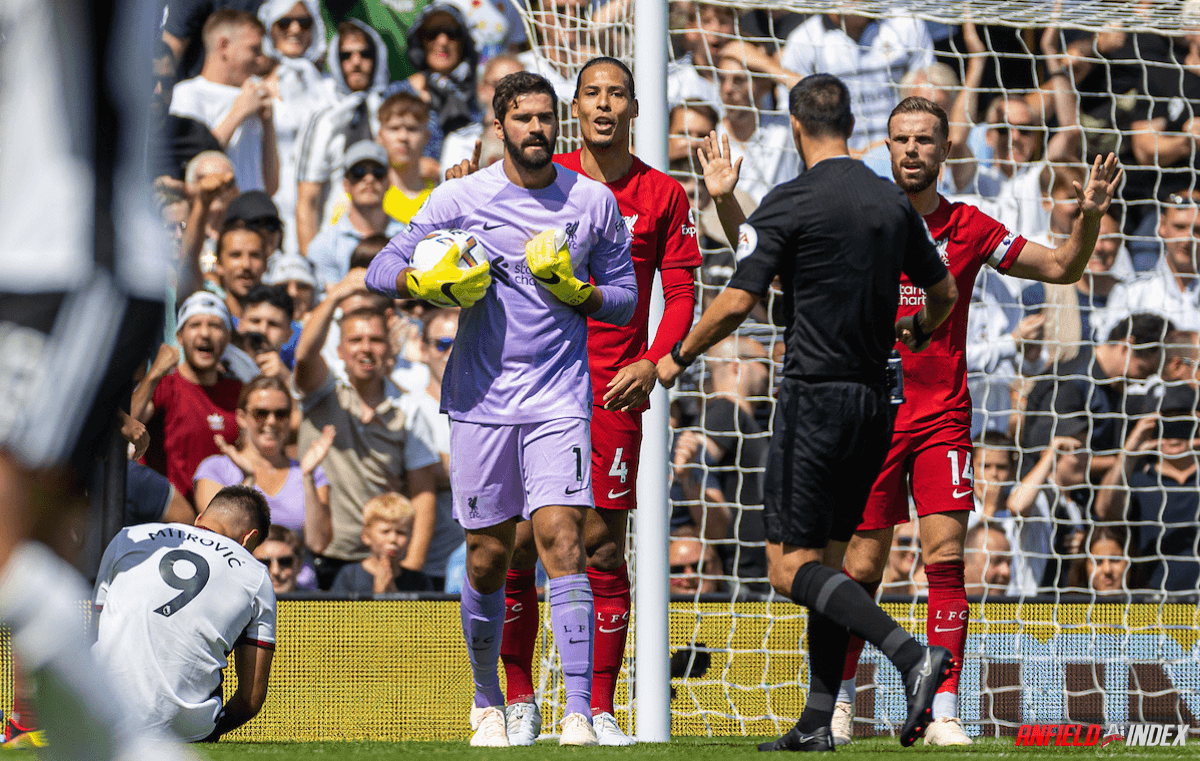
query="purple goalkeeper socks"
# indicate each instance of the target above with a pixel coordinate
(483, 624)
(572, 613)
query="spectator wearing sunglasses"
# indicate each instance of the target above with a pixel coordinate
(443, 52)
(282, 554)
(297, 492)
(436, 343)
(232, 101)
(294, 46)
(357, 64)
(365, 181)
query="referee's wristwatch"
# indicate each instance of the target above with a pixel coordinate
(678, 358)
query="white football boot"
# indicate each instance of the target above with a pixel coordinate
(608, 732)
(524, 723)
(577, 730)
(488, 724)
(842, 724)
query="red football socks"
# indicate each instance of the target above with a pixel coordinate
(946, 618)
(610, 592)
(521, 624)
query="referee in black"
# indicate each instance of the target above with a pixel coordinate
(838, 237)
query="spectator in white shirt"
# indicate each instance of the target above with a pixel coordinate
(763, 140)
(294, 45)
(1172, 289)
(234, 103)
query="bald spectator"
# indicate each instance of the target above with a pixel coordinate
(1172, 289)
(210, 187)
(185, 404)
(1181, 356)
(694, 566)
(763, 141)
(459, 145)
(988, 557)
(366, 181)
(232, 101)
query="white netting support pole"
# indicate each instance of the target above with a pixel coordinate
(652, 674)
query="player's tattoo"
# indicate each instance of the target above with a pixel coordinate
(189, 587)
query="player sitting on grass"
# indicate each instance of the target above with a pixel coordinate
(387, 529)
(173, 601)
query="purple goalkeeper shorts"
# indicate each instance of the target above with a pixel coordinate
(499, 472)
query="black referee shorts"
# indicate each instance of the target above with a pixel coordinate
(829, 443)
(66, 365)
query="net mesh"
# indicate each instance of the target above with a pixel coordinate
(1041, 85)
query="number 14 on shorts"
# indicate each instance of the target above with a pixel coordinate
(964, 477)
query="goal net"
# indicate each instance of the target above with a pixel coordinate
(1083, 590)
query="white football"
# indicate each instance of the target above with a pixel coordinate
(430, 250)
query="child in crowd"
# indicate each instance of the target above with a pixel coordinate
(387, 528)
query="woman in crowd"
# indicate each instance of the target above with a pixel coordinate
(295, 43)
(297, 492)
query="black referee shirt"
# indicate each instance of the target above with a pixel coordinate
(838, 236)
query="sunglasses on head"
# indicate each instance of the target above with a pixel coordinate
(285, 561)
(260, 414)
(443, 344)
(305, 22)
(346, 55)
(363, 168)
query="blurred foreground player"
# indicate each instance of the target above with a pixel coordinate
(658, 218)
(839, 238)
(516, 386)
(931, 447)
(173, 601)
(80, 305)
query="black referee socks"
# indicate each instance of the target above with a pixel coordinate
(840, 599)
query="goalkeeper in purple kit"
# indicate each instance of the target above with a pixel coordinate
(516, 386)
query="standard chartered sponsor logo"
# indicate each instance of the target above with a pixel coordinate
(911, 296)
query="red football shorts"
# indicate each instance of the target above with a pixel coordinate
(616, 444)
(936, 462)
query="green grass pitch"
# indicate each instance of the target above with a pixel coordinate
(684, 749)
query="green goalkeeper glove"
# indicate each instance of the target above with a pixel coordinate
(448, 285)
(550, 263)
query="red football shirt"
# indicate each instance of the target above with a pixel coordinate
(935, 380)
(185, 418)
(663, 227)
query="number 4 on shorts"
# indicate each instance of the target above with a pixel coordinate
(619, 469)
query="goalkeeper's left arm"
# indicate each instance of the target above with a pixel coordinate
(613, 296)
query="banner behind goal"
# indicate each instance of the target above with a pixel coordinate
(1087, 75)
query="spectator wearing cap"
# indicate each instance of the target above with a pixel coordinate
(366, 181)
(443, 53)
(232, 101)
(404, 133)
(357, 65)
(299, 277)
(1172, 288)
(254, 210)
(185, 404)
(241, 262)
(1159, 496)
(294, 46)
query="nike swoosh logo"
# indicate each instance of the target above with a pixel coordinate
(576, 641)
(611, 631)
(960, 494)
(924, 673)
(450, 294)
(940, 630)
(552, 280)
(618, 494)
(574, 491)
(493, 227)
(510, 620)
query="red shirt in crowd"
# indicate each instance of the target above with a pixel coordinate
(186, 416)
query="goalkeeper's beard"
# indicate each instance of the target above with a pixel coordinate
(517, 153)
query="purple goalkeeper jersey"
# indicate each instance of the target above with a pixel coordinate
(520, 355)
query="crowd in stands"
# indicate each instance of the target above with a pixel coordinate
(300, 136)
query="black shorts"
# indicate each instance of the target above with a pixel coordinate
(66, 365)
(828, 445)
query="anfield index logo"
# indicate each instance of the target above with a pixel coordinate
(1082, 735)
